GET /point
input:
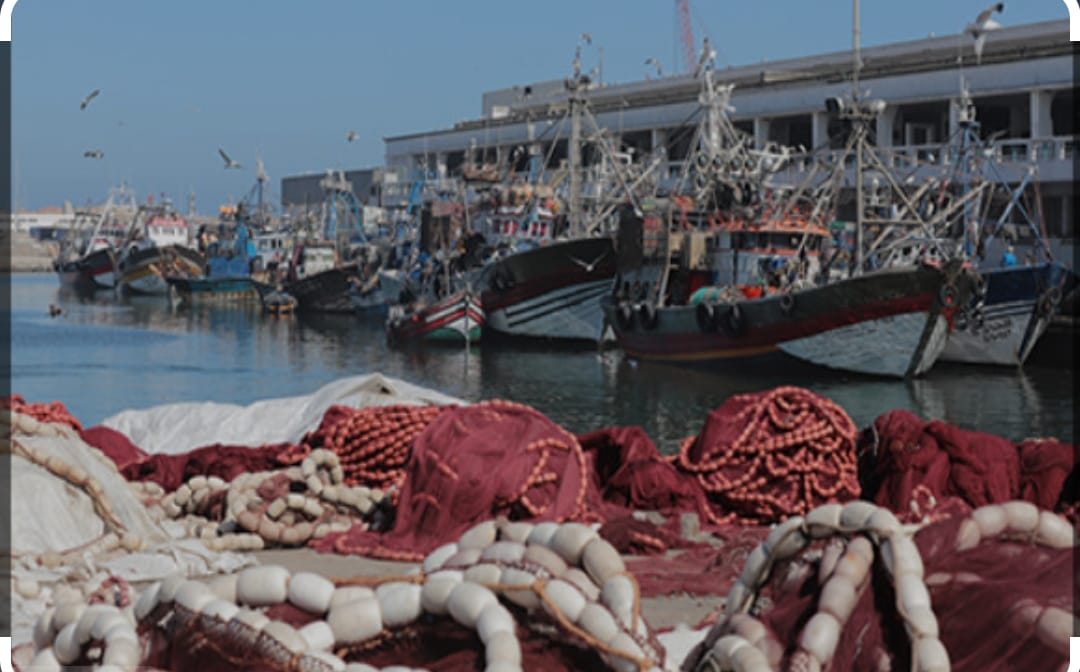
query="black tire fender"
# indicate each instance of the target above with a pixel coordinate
(733, 323)
(648, 316)
(947, 296)
(624, 316)
(707, 317)
(787, 304)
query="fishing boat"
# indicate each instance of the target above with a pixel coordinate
(229, 270)
(456, 319)
(87, 259)
(156, 250)
(1009, 313)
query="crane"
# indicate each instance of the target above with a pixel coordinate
(686, 35)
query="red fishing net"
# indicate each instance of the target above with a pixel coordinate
(765, 456)
(901, 452)
(53, 412)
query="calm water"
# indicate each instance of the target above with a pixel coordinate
(106, 355)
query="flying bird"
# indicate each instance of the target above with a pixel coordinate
(351, 136)
(94, 154)
(984, 23)
(229, 163)
(86, 101)
(586, 38)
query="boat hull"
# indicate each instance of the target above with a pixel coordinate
(325, 292)
(456, 319)
(1003, 326)
(892, 323)
(552, 292)
(96, 270)
(144, 271)
(217, 290)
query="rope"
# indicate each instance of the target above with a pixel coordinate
(53, 412)
(795, 451)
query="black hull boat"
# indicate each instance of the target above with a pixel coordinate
(889, 323)
(553, 291)
(327, 291)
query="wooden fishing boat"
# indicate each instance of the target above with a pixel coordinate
(229, 279)
(1009, 313)
(890, 323)
(318, 281)
(458, 318)
(553, 291)
(156, 252)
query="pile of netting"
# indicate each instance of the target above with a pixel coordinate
(504, 597)
(53, 412)
(902, 455)
(852, 588)
(765, 456)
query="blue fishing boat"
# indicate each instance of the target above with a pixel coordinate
(1010, 312)
(229, 267)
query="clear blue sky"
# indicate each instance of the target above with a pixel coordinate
(180, 79)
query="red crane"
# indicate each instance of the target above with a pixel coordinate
(687, 35)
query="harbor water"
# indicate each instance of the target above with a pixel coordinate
(105, 354)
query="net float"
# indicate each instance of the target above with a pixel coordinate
(493, 618)
(220, 609)
(569, 541)
(566, 598)
(786, 539)
(1054, 531)
(346, 594)
(355, 621)
(968, 535)
(992, 520)
(525, 597)
(88, 619)
(43, 629)
(1054, 628)
(901, 556)
(546, 558)
(518, 532)
(601, 561)
(66, 646)
(286, 635)
(823, 521)
(503, 647)
(618, 595)
(820, 636)
(838, 598)
(435, 593)
(598, 622)
(465, 557)
(831, 555)
(399, 603)
(582, 582)
(856, 514)
(541, 534)
(756, 569)
(931, 655)
(310, 592)
(45, 661)
(503, 551)
(748, 627)
(262, 586)
(625, 644)
(479, 536)
(466, 602)
(194, 595)
(883, 523)
(750, 659)
(276, 508)
(484, 574)
(147, 601)
(922, 622)
(912, 592)
(1023, 517)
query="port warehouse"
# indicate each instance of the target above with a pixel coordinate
(1022, 90)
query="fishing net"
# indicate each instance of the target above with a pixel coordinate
(52, 412)
(848, 588)
(765, 456)
(900, 453)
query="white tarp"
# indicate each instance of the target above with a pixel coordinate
(179, 428)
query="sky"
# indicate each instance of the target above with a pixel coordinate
(288, 80)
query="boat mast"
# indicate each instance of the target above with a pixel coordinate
(576, 101)
(859, 214)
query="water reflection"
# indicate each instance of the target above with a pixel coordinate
(106, 354)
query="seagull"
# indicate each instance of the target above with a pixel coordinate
(706, 55)
(588, 266)
(94, 154)
(983, 24)
(586, 38)
(653, 61)
(86, 101)
(351, 135)
(229, 163)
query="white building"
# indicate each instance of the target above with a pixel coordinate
(1022, 90)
